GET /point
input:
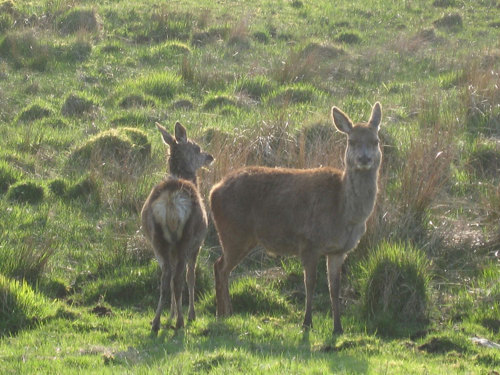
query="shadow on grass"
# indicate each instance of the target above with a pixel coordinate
(240, 343)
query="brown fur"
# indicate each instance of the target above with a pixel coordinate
(307, 213)
(175, 222)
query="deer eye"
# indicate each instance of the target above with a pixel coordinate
(197, 148)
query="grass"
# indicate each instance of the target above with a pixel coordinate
(81, 88)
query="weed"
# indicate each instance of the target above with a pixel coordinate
(26, 192)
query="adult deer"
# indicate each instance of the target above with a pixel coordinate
(303, 212)
(175, 222)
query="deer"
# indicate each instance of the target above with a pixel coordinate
(174, 220)
(308, 213)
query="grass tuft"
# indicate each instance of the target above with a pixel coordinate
(116, 147)
(34, 112)
(450, 22)
(78, 20)
(250, 297)
(292, 94)
(26, 192)
(255, 87)
(219, 100)
(24, 49)
(349, 37)
(77, 105)
(21, 307)
(394, 287)
(8, 176)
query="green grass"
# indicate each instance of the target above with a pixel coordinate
(81, 87)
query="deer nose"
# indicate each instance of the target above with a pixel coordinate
(210, 158)
(364, 160)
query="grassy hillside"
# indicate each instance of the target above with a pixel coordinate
(82, 84)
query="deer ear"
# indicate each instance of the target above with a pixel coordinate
(376, 116)
(341, 121)
(180, 133)
(167, 138)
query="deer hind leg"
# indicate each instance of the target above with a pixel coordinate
(178, 272)
(191, 280)
(164, 284)
(310, 265)
(334, 270)
(233, 253)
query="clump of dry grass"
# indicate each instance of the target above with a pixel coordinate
(480, 96)
(309, 62)
(424, 176)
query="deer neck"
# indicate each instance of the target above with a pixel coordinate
(360, 191)
(181, 173)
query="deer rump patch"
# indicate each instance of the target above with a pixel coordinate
(171, 211)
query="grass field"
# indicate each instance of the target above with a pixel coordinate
(82, 84)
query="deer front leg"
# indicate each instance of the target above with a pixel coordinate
(310, 264)
(334, 271)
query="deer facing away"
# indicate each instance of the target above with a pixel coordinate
(303, 212)
(175, 222)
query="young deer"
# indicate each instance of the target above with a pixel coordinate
(307, 213)
(175, 222)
